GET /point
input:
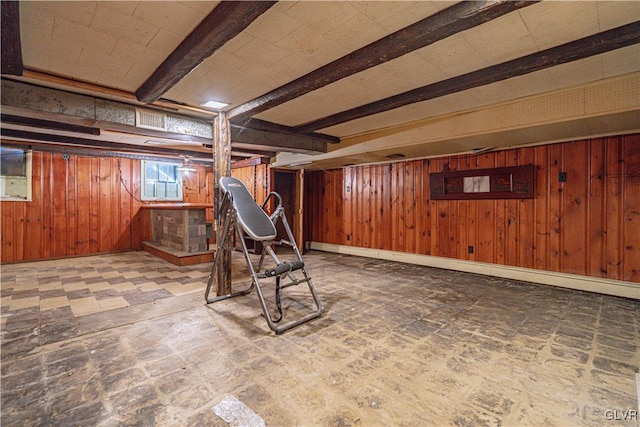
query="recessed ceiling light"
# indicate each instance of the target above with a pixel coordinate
(214, 104)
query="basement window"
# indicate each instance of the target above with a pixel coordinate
(161, 181)
(15, 174)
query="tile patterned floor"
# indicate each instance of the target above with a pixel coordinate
(398, 345)
(95, 284)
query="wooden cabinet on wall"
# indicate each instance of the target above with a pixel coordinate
(588, 225)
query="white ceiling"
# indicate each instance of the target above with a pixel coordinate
(119, 44)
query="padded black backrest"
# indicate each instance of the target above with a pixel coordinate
(251, 217)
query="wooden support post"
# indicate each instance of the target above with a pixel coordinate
(298, 215)
(221, 167)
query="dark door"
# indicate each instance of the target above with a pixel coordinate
(285, 186)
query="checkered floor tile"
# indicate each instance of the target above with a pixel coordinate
(94, 284)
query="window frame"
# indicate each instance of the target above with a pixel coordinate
(158, 166)
(28, 177)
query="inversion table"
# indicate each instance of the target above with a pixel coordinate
(243, 213)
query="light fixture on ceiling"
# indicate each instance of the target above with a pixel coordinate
(152, 142)
(215, 105)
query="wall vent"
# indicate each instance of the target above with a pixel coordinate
(151, 120)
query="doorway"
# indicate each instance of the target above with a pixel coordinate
(288, 184)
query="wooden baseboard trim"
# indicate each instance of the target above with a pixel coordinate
(571, 281)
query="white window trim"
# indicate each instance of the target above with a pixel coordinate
(143, 182)
(29, 181)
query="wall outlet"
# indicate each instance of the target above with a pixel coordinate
(470, 249)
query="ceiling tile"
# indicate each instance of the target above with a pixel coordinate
(115, 80)
(40, 24)
(120, 44)
(577, 72)
(58, 59)
(261, 52)
(286, 70)
(257, 73)
(436, 107)
(221, 63)
(453, 56)
(357, 32)
(406, 114)
(285, 114)
(83, 71)
(318, 17)
(612, 14)
(560, 23)
(112, 22)
(415, 70)
(125, 7)
(532, 83)
(136, 75)
(112, 66)
(80, 13)
(305, 43)
(174, 16)
(379, 11)
(414, 13)
(66, 32)
(164, 41)
(238, 42)
(380, 83)
(313, 105)
(204, 7)
(501, 39)
(621, 61)
(273, 26)
(492, 93)
(125, 50)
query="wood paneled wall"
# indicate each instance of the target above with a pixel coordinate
(589, 225)
(256, 178)
(198, 187)
(82, 206)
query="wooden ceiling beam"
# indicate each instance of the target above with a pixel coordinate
(606, 41)
(245, 152)
(459, 17)
(268, 134)
(225, 22)
(240, 152)
(65, 122)
(10, 32)
(264, 125)
(106, 145)
(249, 137)
(249, 162)
(48, 124)
(93, 152)
(57, 82)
